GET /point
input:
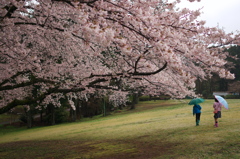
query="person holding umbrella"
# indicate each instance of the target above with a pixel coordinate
(217, 106)
(197, 111)
(196, 108)
(217, 111)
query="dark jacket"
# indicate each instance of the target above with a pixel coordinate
(196, 109)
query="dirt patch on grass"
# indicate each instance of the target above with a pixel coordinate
(142, 150)
(117, 149)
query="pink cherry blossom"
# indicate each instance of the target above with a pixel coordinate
(78, 48)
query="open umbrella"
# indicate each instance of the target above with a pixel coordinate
(196, 101)
(222, 101)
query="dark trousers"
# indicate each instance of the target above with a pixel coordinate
(198, 116)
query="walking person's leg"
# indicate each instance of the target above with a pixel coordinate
(216, 119)
(197, 118)
(216, 122)
(219, 115)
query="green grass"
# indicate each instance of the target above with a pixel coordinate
(160, 129)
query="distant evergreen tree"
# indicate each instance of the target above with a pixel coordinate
(235, 52)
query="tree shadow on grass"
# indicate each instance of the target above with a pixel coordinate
(65, 149)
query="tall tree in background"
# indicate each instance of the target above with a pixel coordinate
(234, 60)
(234, 64)
(75, 47)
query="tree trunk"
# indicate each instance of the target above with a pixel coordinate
(104, 107)
(72, 115)
(120, 107)
(29, 118)
(135, 101)
(52, 115)
(41, 116)
(78, 109)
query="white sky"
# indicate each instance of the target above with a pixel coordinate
(222, 13)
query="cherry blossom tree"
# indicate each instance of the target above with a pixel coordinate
(74, 48)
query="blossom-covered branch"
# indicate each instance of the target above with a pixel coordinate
(83, 46)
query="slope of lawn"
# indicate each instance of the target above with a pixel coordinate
(155, 129)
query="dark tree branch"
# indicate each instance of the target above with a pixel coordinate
(133, 74)
(11, 9)
(65, 1)
(128, 27)
(24, 84)
(31, 100)
(80, 1)
(41, 25)
(27, 101)
(136, 63)
(14, 76)
(149, 73)
(96, 81)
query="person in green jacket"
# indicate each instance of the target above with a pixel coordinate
(197, 111)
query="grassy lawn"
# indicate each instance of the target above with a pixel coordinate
(156, 130)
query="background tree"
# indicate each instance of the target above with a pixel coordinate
(215, 83)
(234, 61)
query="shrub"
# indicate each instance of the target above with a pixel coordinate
(232, 96)
(144, 98)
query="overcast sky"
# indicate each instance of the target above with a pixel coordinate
(222, 13)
